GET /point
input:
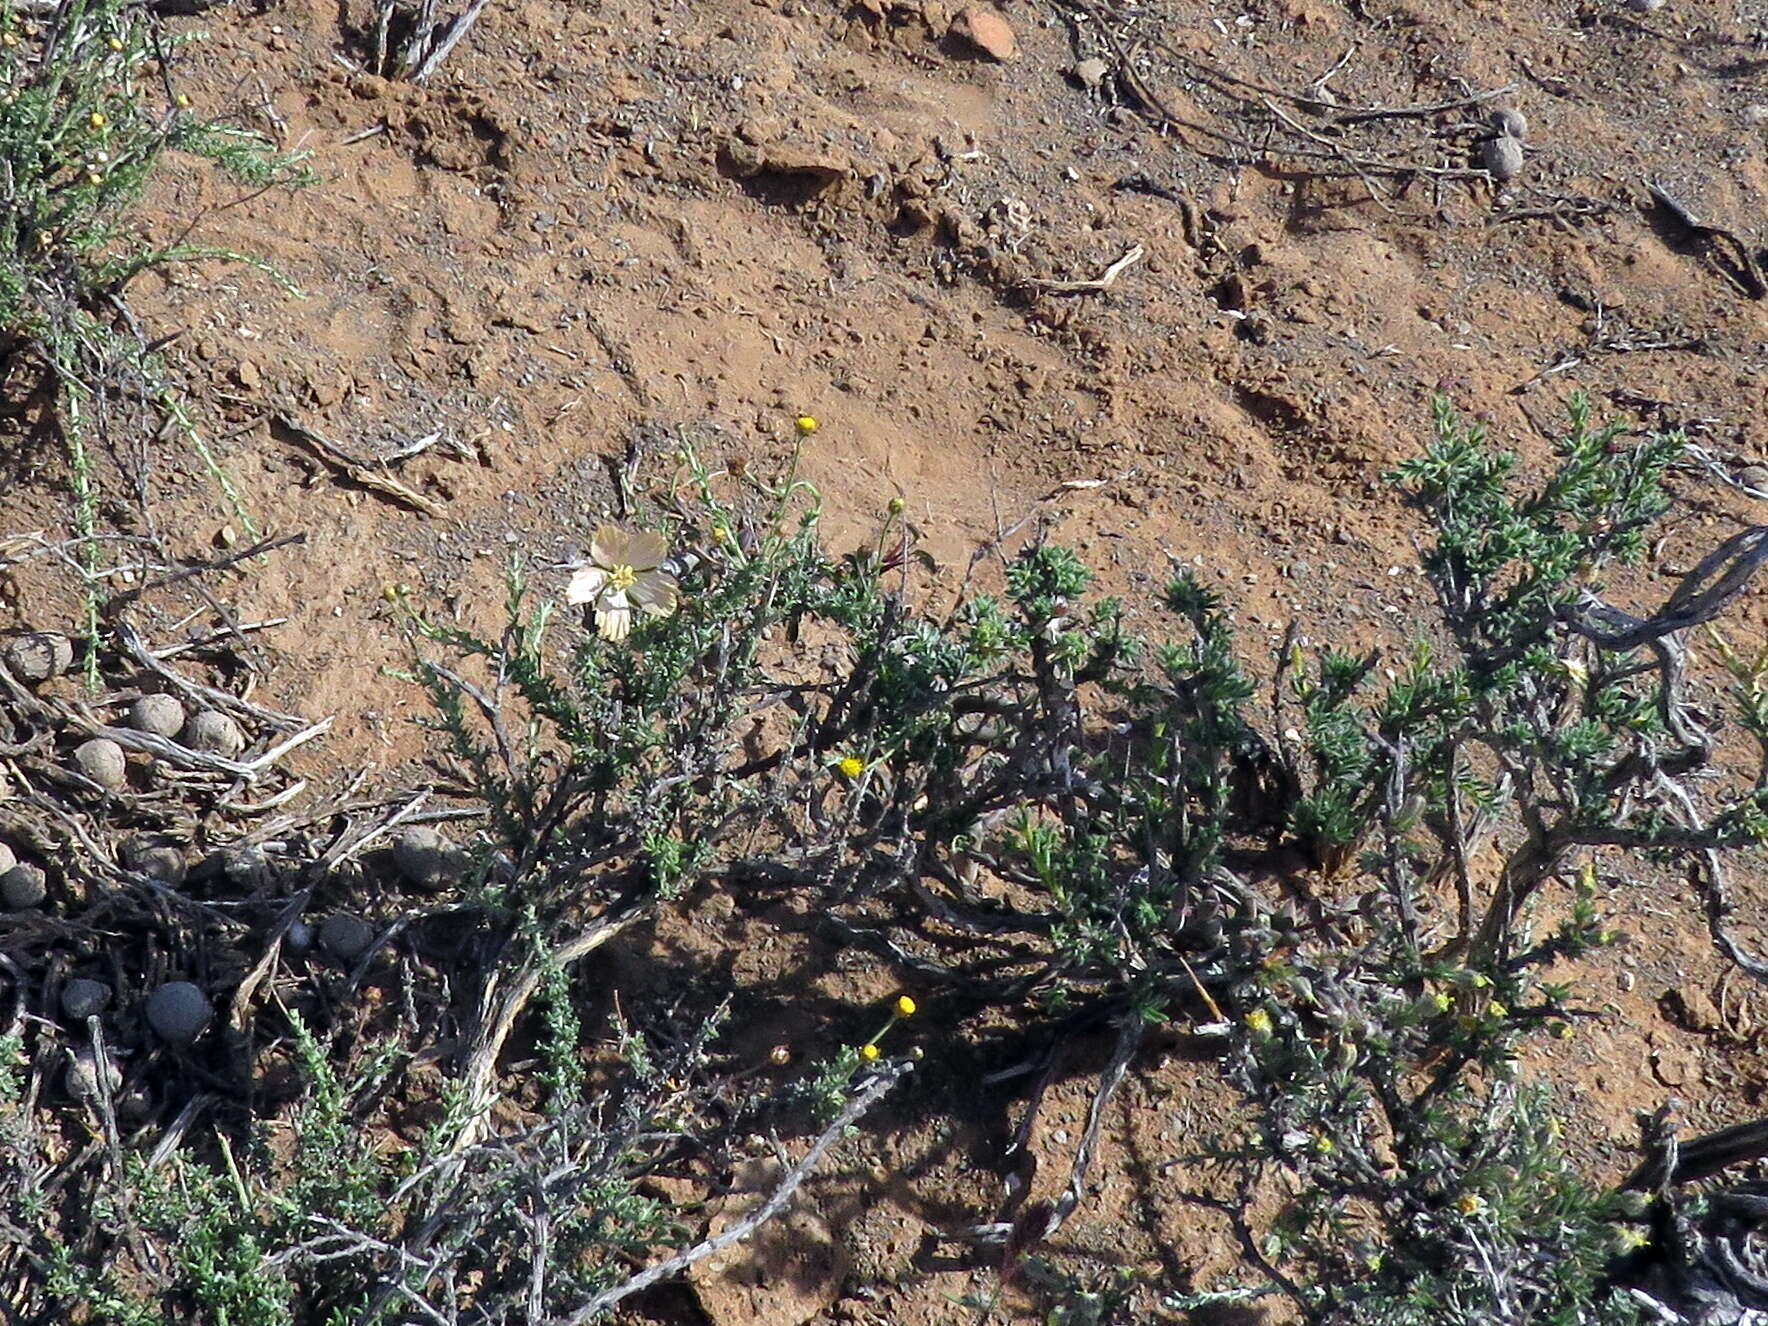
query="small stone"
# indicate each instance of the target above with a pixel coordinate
(161, 715)
(1645, 6)
(299, 938)
(983, 28)
(426, 858)
(345, 936)
(1691, 1008)
(1509, 120)
(102, 760)
(38, 656)
(7, 859)
(248, 375)
(226, 536)
(1755, 113)
(248, 869)
(1754, 476)
(23, 886)
(156, 857)
(209, 730)
(1501, 157)
(82, 1074)
(179, 1012)
(82, 998)
(1091, 73)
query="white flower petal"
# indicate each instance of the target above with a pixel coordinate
(645, 550)
(608, 548)
(585, 584)
(614, 623)
(655, 592)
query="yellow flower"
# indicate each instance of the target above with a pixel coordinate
(115, 43)
(1497, 1010)
(94, 178)
(1469, 1203)
(624, 576)
(1442, 1001)
(182, 100)
(1324, 1145)
(851, 766)
(897, 506)
(806, 425)
(1259, 1021)
(905, 1007)
(97, 120)
(868, 1052)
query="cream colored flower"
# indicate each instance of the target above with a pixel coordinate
(624, 576)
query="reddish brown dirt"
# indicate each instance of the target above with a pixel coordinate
(599, 228)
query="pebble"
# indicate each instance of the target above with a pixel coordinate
(425, 857)
(345, 936)
(23, 886)
(1645, 6)
(7, 859)
(299, 938)
(1509, 120)
(179, 1012)
(102, 760)
(156, 857)
(1754, 476)
(161, 715)
(1501, 157)
(209, 730)
(983, 28)
(38, 656)
(82, 998)
(1091, 72)
(82, 1074)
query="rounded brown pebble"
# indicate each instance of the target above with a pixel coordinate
(425, 857)
(1754, 476)
(345, 936)
(23, 886)
(985, 29)
(156, 857)
(82, 1075)
(178, 1012)
(7, 859)
(38, 656)
(82, 998)
(215, 732)
(1509, 120)
(1501, 157)
(103, 761)
(161, 715)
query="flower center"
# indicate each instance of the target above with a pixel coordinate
(622, 577)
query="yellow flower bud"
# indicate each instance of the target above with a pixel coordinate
(1470, 1204)
(851, 766)
(97, 120)
(115, 43)
(905, 1007)
(1259, 1021)
(806, 425)
(868, 1052)
(897, 505)
(182, 100)
(94, 178)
